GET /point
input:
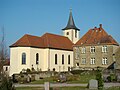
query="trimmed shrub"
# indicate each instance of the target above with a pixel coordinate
(99, 78)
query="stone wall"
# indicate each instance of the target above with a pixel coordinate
(98, 55)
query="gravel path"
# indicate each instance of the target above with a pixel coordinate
(106, 85)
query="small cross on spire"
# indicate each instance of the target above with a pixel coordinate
(70, 9)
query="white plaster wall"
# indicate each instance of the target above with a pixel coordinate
(16, 59)
(71, 35)
(33, 52)
(46, 59)
(13, 60)
(59, 66)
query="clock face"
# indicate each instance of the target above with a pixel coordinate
(77, 53)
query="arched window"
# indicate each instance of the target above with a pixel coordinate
(62, 59)
(23, 58)
(55, 58)
(68, 59)
(37, 58)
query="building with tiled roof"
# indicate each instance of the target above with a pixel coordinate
(48, 52)
(95, 48)
(48, 40)
(61, 53)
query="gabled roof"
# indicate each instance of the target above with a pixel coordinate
(71, 24)
(46, 41)
(28, 41)
(97, 36)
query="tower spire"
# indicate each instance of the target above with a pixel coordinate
(71, 24)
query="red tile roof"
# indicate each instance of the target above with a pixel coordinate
(97, 36)
(46, 41)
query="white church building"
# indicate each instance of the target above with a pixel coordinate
(48, 52)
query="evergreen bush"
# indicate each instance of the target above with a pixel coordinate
(99, 78)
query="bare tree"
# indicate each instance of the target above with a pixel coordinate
(5, 82)
(3, 50)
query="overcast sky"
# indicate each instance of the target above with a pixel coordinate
(37, 17)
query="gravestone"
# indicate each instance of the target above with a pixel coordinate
(37, 77)
(47, 86)
(93, 84)
(118, 78)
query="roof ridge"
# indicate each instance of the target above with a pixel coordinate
(31, 35)
(54, 35)
(93, 36)
(26, 35)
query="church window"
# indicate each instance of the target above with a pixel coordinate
(104, 49)
(68, 59)
(37, 58)
(76, 33)
(23, 58)
(55, 58)
(92, 49)
(62, 59)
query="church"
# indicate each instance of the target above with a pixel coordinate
(48, 52)
(62, 52)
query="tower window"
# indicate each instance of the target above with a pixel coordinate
(67, 33)
(76, 33)
(23, 58)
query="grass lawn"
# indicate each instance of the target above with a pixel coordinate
(82, 79)
(41, 81)
(70, 79)
(113, 88)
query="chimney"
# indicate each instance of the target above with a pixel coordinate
(100, 25)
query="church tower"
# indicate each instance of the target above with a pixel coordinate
(71, 31)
